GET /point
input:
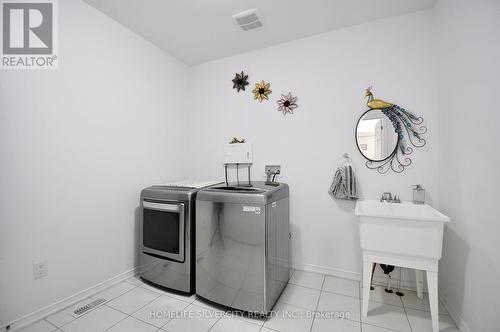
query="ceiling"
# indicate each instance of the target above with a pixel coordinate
(196, 31)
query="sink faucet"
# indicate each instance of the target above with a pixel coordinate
(387, 197)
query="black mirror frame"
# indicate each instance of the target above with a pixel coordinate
(398, 160)
(357, 142)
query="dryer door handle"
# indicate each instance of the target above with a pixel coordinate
(162, 206)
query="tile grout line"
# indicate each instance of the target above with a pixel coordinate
(248, 321)
(291, 283)
(175, 298)
(90, 297)
(134, 277)
(353, 297)
(131, 289)
(383, 328)
(425, 310)
(317, 303)
(271, 329)
(332, 292)
(211, 327)
(381, 302)
(386, 304)
(288, 283)
(127, 315)
(406, 314)
(360, 307)
(294, 270)
(294, 305)
(262, 326)
(201, 307)
(321, 291)
(171, 319)
(130, 315)
(56, 327)
(119, 320)
(361, 312)
(160, 293)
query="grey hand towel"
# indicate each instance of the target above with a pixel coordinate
(344, 185)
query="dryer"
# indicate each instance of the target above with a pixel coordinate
(166, 233)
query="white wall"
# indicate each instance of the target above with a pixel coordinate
(77, 145)
(468, 41)
(329, 74)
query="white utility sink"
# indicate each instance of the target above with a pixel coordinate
(402, 234)
(401, 228)
(405, 210)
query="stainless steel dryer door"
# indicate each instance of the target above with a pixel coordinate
(163, 229)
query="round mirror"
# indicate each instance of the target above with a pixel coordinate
(375, 136)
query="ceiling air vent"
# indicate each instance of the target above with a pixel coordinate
(248, 20)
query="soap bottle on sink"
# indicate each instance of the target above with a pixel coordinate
(418, 194)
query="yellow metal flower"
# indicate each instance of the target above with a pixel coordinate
(261, 91)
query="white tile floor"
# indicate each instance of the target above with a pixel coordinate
(306, 300)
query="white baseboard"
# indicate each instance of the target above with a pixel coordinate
(405, 284)
(378, 280)
(55, 307)
(462, 326)
(59, 305)
(328, 271)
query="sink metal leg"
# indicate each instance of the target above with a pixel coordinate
(419, 276)
(367, 273)
(432, 284)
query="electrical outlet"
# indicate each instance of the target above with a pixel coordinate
(39, 270)
(273, 169)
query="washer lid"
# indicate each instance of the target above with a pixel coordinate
(189, 184)
(258, 193)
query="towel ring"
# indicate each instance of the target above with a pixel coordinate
(345, 160)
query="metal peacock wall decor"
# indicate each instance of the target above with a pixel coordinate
(409, 131)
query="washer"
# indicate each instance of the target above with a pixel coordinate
(242, 245)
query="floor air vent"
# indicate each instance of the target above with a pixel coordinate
(85, 308)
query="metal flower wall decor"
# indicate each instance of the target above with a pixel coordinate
(409, 131)
(235, 140)
(261, 91)
(240, 81)
(287, 103)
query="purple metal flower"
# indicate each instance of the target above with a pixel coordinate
(287, 104)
